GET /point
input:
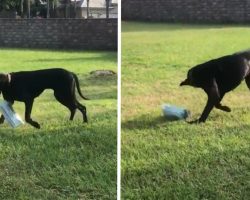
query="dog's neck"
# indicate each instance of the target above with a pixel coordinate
(9, 78)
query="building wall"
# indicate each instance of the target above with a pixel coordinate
(194, 11)
(94, 34)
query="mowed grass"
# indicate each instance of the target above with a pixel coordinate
(64, 159)
(176, 160)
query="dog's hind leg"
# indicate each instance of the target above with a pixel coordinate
(83, 110)
(221, 107)
(67, 102)
(72, 113)
(213, 99)
(28, 108)
(68, 99)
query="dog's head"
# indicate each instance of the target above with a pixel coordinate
(190, 80)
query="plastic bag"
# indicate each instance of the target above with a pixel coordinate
(172, 112)
(9, 114)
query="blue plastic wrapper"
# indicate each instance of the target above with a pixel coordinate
(172, 112)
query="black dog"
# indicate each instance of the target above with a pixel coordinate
(219, 76)
(27, 85)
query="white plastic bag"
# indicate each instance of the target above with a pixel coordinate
(172, 112)
(9, 114)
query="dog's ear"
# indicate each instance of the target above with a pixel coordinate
(185, 82)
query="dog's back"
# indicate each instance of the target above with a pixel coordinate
(45, 78)
(228, 71)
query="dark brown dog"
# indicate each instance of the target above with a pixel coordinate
(27, 85)
(217, 77)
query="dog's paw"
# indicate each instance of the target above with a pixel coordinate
(36, 125)
(223, 108)
(194, 121)
(1, 120)
(226, 109)
(197, 121)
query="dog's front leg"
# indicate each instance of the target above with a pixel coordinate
(28, 108)
(213, 99)
(2, 119)
(209, 106)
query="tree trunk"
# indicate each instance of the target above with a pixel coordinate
(87, 9)
(21, 8)
(28, 9)
(75, 9)
(48, 6)
(107, 9)
(68, 9)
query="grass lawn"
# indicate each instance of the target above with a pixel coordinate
(64, 159)
(176, 160)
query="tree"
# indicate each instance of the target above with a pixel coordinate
(50, 2)
(87, 8)
(10, 5)
(28, 8)
(21, 7)
(75, 8)
(107, 8)
(48, 14)
(66, 4)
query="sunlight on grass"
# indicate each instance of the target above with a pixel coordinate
(64, 159)
(175, 160)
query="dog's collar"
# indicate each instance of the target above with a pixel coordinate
(9, 78)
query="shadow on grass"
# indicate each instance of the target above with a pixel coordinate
(94, 127)
(195, 172)
(56, 50)
(161, 26)
(145, 122)
(102, 57)
(70, 159)
(110, 94)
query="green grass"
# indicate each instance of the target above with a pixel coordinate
(176, 160)
(64, 159)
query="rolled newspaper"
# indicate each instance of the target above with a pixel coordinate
(10, 115)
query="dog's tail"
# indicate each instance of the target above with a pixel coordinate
(78, 87)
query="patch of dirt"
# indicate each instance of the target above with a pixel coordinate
(102, 73)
